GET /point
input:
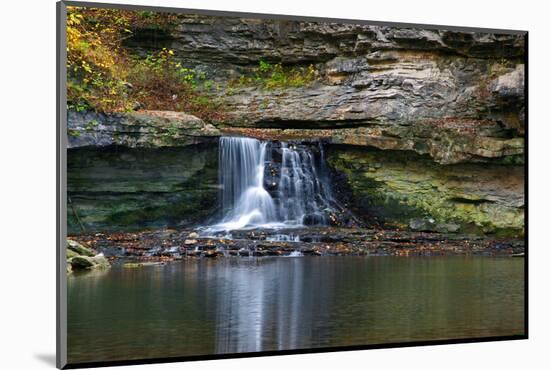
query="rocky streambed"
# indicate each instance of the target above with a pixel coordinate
(168, 245)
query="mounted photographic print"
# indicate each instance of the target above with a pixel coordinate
(235, 184)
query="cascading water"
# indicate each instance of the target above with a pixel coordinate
(298, 195)
(303, 197)
(244, 200)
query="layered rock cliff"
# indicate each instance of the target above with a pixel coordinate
(118, 188)
(421, 123)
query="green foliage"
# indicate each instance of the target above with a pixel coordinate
(272, 76)
(103, 76)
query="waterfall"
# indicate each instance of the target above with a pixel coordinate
(244, 200)
(303, 196)
(297, 195)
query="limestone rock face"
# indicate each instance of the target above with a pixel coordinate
(137, 129)
(234, 40)
(457, 96)
(118, 188)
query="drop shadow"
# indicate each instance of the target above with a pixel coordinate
(46, 358)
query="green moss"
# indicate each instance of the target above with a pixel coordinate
(73, 133)
(398, 186)
(272, 76)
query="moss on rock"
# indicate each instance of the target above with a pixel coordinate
(397, 186)
(118, 188)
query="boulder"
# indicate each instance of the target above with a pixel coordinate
(89, 263)
(82, 263)
(79, 249)
(71, 254)
(422, 224)
(447, 228)
(100, 261)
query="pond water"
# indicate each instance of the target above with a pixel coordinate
(214, 306)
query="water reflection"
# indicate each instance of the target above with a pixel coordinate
(246, 305)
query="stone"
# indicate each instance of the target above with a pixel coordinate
(137, 129)
(82, 263)
(422, 224)
(79, 249)
(447, 228)
(89, 263)
(193, 235)
(511, 84)
(100, 261)
(211, 254)
(190, 241)
(71, 254)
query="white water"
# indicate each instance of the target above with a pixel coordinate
(301, 192)
(283, 238)
(246, 204)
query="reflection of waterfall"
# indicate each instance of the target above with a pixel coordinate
(272, 305)
(299, 196)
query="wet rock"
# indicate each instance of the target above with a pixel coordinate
(79, 249)
(347, 241)
(422, 224)
(89, 263)
(244, 252)
(193, 235)
(82, 263)
(100, 261)
(212, 253)
(447, 228)
(190, 241)
(314, 219)
(133, 265)
(259, 253)
(71, 253)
